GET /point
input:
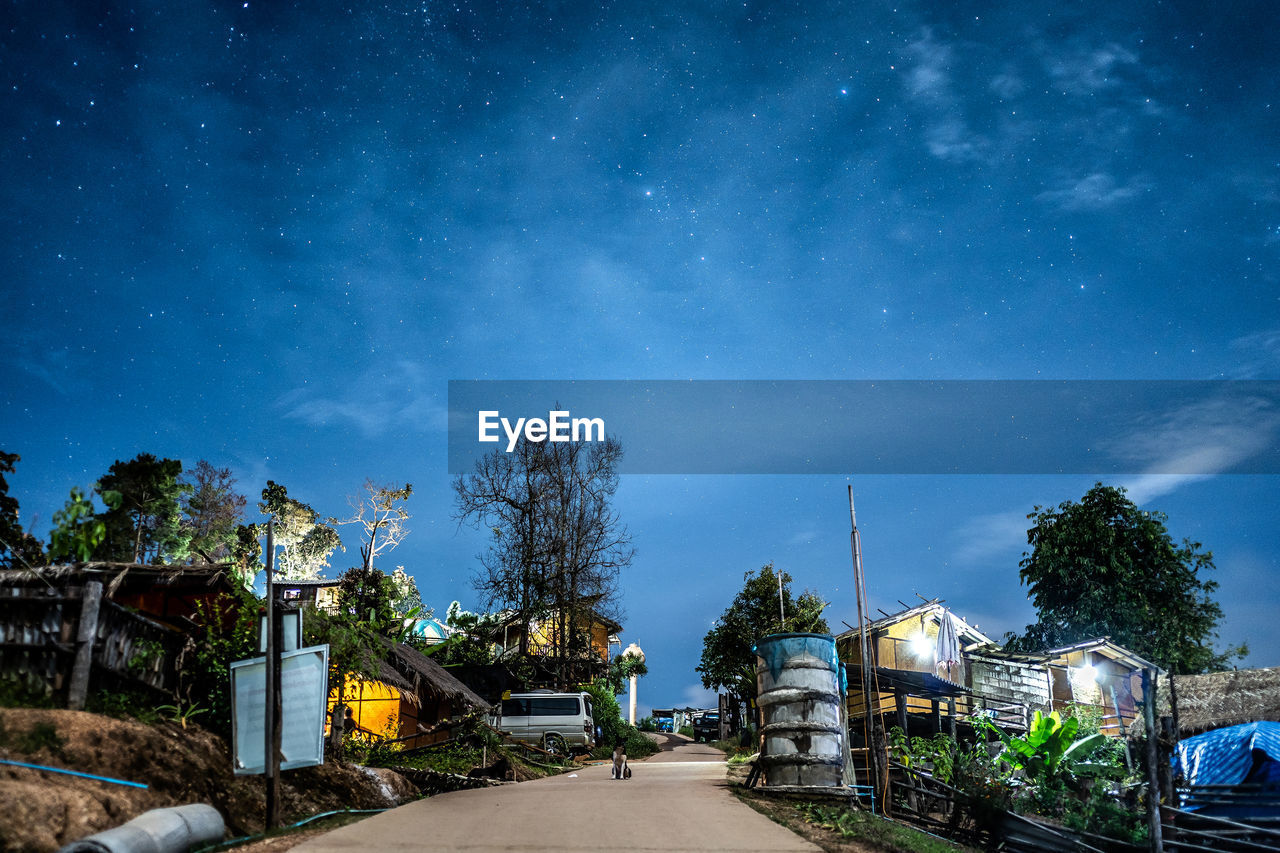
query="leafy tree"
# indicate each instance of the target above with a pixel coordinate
(407, 601)
(557, 545)
(246, 551)
(305, 544)
(379, 512)
(472, 640)
(1103, 567)
(369, 596)
(146, 526)
(78, 530)
(621, 668)
(214, 512)
(728, 662)
(18, 549)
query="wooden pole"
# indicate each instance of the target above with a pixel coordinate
(271, 711)
(874, 743)
(1153, 759)
(86, 632)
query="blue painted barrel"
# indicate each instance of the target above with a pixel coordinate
(799, 693)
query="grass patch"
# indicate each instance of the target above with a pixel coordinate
(454, 758)
(40, 736)
(856, 824)
(732, 748)
(838, 828)
(123, 705)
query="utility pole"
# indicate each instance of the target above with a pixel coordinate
(272, 729)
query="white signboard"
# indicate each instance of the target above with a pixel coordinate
(292, 632)
(304, 693)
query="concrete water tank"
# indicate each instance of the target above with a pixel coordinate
(800, 694)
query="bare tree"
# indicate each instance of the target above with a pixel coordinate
(379, 512)
(558, 545)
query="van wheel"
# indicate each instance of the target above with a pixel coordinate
(555, 745)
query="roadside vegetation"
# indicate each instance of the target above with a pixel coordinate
(841, 829)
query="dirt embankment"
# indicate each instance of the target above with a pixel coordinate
(42, 810)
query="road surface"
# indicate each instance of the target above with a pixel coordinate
(675, 800)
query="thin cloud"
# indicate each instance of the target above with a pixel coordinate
(1084, 71)
(1096, 191)
(1172, 450)
(697, 696)
(1200, 439)
(374, 404)
(928, 80)
(1259, 354)
(988, 538)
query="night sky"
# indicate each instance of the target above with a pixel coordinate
(268, 234)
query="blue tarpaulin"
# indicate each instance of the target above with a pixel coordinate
(1246, 754)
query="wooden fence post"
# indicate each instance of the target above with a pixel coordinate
(1153, 758)
(90, 600)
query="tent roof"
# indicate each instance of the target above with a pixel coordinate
(1225, 756)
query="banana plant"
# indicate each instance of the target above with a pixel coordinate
(1050, 748)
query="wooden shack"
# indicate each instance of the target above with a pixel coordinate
(1002, 686)
(906, 679)
(62, 627)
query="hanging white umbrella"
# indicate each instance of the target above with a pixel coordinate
(947, 652)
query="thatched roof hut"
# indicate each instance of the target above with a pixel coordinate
(1218, 699)
(415, 674)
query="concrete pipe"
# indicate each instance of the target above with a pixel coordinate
(172, 830)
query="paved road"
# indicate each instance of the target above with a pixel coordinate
(675, 800)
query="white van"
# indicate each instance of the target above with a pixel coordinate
(558, 722)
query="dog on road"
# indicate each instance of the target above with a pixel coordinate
(620, 768)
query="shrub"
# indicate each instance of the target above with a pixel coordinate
(227, 631)
(614, 729)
